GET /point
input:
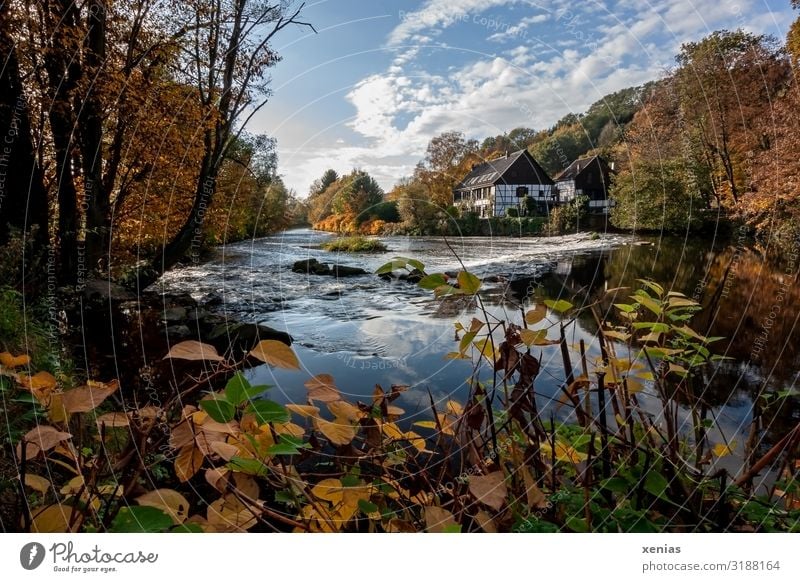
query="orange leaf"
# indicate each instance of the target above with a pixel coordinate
(9, 361)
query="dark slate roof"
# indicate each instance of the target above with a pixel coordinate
(578, 166)
(491, 172)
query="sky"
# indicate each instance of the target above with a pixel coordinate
(380, 78)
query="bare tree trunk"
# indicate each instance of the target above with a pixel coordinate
(91, 131)
(63, 71)
(23, 197)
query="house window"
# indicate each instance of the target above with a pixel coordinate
(522, 191)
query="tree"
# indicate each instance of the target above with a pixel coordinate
(23, 197)
(448, 159)
(722, 84)
(653, 195)
(227, 68)
(321, 184)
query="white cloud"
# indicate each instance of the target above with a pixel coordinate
(436, 15)
(532, 84)
(519, 30)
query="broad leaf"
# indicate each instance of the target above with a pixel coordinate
(218, 409)
(277, 354)
(468, 283)
(269, 411)
(141, 519)
(194, 350)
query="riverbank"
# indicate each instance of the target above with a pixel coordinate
(287, 445)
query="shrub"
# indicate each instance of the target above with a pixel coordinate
(355, 244)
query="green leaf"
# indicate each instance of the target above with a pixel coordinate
(218, 409)
(559, 306)
(235, 389)
(466, 340)
(446, 290)
(400, 263)
(350, 480)
(452, 528)
(284, 497)
(625, 307)
(294, 441)
(577, 524)
(268, 411)
(187, 528)
(283, 449)
(656, 484)
(141, 519)
(648, 302)
(431, 282)
(367, 507)
(468, 283)
(249, 466)
(616, 485)
(652, 326)
(392, 265)
(654, 287)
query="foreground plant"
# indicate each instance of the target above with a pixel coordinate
(221, 456)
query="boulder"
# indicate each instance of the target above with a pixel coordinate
(242, 337)
(311, 267)
(344, 271)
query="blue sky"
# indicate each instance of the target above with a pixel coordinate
(382, 77)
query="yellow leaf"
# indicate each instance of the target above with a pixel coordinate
(723, 450)
(54, 519)
(9, 361)
(195, 351)
(454, 408)
(323, 388)
(188, 462)
(394, 410)
(329, 490)
(345, 410)
(634, 385)
(489, 489)
(37, 483)
(289, 428)
(218, 478)
(339, 433)
(87, 397)
(228, 514)
(426, 424)
(276, 353)
(536, 314)
(564, 452)
(169, 501)
(304, 410)
(73, 486)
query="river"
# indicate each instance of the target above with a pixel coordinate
(366, 331)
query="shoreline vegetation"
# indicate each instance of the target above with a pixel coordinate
(94, 461)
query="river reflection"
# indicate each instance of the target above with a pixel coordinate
(366, 331)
